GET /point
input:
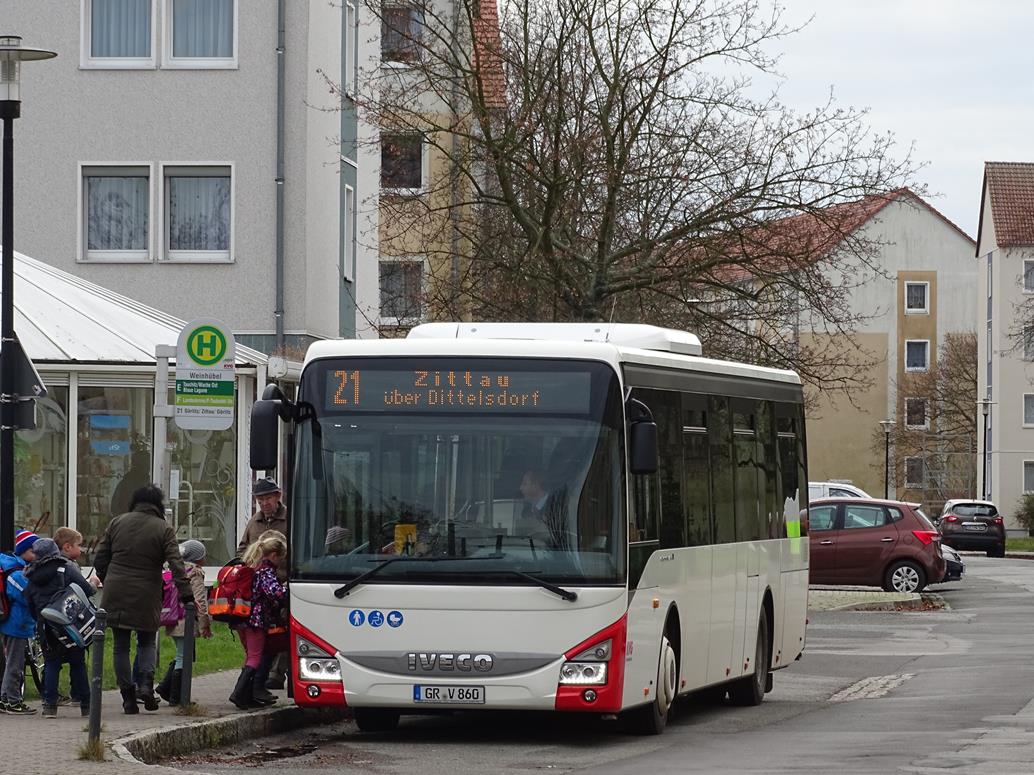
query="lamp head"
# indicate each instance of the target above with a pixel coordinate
(12, 54)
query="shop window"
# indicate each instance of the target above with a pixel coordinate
(203, 488)
(41, 462)
(114, 455)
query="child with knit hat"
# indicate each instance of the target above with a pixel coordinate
(47, 575)
(20, 624)
(193, 553)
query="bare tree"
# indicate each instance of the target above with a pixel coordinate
(937, 424)
(607, 159)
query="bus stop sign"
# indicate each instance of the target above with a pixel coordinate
(205, 394)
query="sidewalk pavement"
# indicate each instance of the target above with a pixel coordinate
(33, 745)
(828, 598)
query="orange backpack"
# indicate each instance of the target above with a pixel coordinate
(229, 600)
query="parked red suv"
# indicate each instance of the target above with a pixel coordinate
(871, 542)
(973, 524)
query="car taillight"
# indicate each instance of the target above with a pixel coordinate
(926, 536)
(999, 521)
(950, 518)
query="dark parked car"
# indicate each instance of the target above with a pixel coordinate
(954, 567)
(973, 524)
(871, 542)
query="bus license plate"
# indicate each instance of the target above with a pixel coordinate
(449, 695)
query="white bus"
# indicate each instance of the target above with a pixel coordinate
(571, 517)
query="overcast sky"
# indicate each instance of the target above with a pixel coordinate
(955, 76)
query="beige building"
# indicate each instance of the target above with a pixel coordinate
(926, 293)
(1005, 283)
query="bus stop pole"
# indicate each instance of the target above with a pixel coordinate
(96, 676)
(189, 619)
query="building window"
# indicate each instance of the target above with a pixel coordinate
(915, 471)
(402, 291)
(117, 34)
(116, 209)
(401, 29)
(917, 355)
(1028, 342)
(1028, 476)
(1028, 275)
(1028, 409)
(402, 162)
(351, 48)
(915, 413)
(200, 34)
(198, 207)
(916, 298)
(350, 234)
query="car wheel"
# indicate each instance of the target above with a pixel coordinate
(904, 576)
(998, 551)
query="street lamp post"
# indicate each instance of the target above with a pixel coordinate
(12, 54)
(888, 426)
(985, 407)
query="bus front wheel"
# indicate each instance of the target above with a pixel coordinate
(652, 718)
(376, 719)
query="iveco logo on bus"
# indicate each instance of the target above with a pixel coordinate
(449, 662)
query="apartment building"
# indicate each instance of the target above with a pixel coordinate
(1005, 284)
(192, 155)
(925, 293)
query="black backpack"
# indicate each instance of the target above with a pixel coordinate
(69, 615)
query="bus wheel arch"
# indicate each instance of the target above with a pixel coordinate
(750, 689)
(652, 718)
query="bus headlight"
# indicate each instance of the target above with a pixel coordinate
(319, 669)
(583, 673)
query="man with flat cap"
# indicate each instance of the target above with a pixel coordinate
(270, 515)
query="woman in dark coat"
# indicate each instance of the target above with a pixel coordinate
(129, 562)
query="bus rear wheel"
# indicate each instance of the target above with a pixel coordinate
(651, 719)
(750, 690)
(376, 719)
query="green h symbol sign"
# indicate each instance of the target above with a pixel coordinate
(206, 345)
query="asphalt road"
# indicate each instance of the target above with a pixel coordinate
(927, 692)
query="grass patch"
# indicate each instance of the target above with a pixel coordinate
(1019, 544)
(92, 751)
(191, 710)
(222, 651)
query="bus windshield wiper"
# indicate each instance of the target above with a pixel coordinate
(349, 586)
(566, 594)
(341, 591)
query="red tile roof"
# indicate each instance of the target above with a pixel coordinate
(487, 53)
(808, 237)
(1011, 189)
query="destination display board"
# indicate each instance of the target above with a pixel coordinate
(457, 390)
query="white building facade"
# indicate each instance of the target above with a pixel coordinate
(193, 156)
(1005, 256)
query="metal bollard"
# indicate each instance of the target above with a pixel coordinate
(189, 620)
(97, 675)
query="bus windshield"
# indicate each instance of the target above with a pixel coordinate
(467, 470)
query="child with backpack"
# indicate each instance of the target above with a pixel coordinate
(19, 625)
(173, 615)
(50, 574)
(268, 598)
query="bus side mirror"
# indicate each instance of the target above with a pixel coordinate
(642, 438)
(265, 427)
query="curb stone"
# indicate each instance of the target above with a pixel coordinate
(154, 745)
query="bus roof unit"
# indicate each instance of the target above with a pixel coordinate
(635, 335)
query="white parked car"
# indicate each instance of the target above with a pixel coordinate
(818, 490)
